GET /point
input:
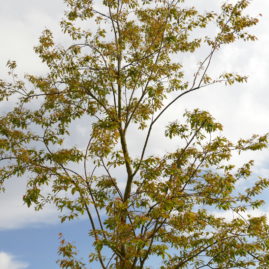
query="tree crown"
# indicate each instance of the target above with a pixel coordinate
(123, 70)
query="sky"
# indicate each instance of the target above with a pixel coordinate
(29, 239)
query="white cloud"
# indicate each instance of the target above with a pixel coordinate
(21, 25)
(8, 261)
(229, 215)
(15, 214)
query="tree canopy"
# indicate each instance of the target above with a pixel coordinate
(123, 70)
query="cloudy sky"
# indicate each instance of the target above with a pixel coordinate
(29, 239)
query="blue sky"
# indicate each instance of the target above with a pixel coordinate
(36, 246)
(29, 239)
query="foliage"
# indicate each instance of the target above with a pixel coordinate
(119, 73)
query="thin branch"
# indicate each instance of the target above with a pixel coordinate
(155, 120)
(83, 199)
(112, 180)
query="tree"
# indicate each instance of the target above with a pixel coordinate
(122, 73)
